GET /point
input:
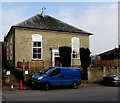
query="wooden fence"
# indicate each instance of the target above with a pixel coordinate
(106, 63)
(32, 65)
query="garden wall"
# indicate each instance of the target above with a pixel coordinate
(97, 74)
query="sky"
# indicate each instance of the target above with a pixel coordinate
(99, 18)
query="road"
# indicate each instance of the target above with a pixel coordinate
(93, 93)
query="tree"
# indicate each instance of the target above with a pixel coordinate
(65, 56)
(85, 59)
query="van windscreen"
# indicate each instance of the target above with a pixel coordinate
(46, 70)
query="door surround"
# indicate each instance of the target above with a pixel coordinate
(55, 53)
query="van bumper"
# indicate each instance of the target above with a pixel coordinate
(37, 82)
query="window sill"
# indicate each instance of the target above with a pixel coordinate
(36, 59)
(76, 58)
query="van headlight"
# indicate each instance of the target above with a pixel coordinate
(40, 78)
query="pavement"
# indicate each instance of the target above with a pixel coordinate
(25, 87)
(16, 84)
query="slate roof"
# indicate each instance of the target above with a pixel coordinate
(112, 52)
(49, 23)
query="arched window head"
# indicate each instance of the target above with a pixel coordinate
(36, 37)
(37, 46)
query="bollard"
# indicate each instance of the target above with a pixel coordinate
(21, 85)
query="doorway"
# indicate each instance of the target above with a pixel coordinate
(55, 57)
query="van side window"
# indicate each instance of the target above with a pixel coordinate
(55, 72)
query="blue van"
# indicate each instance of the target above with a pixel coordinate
(53, 76)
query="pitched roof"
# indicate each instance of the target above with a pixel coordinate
(49, 23)
(112, 52)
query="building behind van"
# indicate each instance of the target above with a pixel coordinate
(56, 76)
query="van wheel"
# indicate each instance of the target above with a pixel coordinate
(46, 86)
(75, 85)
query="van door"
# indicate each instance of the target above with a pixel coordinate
(66, 77)
(55, 77)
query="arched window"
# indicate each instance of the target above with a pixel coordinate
(75, 47)
(37, 46)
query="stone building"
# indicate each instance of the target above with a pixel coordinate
(37, 40)
(1, 49)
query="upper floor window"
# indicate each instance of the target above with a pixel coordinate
(37, 46)
(75, 48)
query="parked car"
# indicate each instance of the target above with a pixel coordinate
(113, 79)
(54, 76)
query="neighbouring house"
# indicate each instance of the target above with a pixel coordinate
(36, 41)
(109, 58)
(113, 54)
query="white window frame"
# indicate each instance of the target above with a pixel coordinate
(11, 48)
(36, 38)
(76, 43)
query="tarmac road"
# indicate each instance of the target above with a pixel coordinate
(88, 93)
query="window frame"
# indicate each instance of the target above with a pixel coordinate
(33, 41)
(76, 54)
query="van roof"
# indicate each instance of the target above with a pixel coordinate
(66, 67)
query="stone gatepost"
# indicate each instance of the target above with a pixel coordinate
(104, 71)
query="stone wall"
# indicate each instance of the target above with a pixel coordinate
(23, 44)
(97, 74)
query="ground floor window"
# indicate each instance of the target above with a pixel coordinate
(36, 47)
(37, 50)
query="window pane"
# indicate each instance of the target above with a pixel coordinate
(73, 55)
(39, 56)
(39, 44)
(34, 44)
(78, 56)
(39, 50)
(34, 50)
(55, 72)
(34, 56)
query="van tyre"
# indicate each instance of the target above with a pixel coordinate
(75, 85)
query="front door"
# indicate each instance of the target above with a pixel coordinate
(57, 61)
(55, 57)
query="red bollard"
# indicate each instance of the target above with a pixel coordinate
(21, 86)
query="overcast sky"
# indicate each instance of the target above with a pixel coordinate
(99, 18)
